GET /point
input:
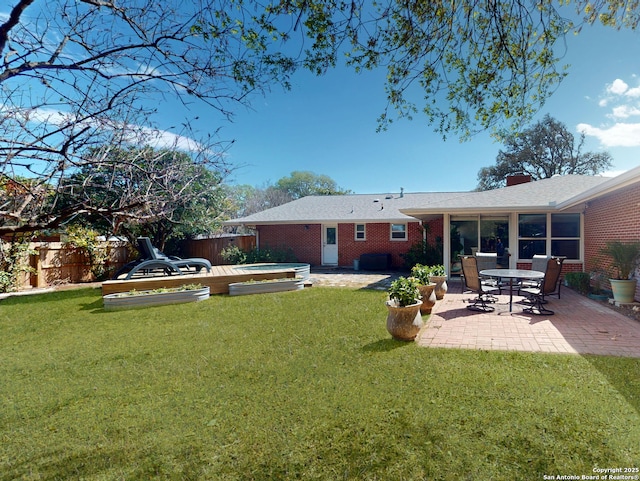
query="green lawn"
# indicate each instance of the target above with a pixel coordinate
(299, 385)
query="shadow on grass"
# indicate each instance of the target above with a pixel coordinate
(51, 296)
(385, 345)
(623, 373)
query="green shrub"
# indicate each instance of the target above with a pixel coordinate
(14, 261)
(421, 274)
(422, 253)
(578, 281)
(404, 291)
(86, 241)
(235, 255)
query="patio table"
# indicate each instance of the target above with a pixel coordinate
(512, 274)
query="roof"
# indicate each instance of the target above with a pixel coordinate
(344, 208)
(554, 194)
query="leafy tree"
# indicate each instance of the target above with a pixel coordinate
(82, 74)
(167, 194)
(303, 183)
(543, 150)
(77, 75)
(245, 199)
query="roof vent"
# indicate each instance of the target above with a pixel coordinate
(388, 196)
(376, 200)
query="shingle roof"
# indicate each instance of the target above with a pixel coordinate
(543, 195)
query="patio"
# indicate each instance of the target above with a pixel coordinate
(580, 326)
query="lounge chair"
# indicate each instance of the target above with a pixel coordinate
(152, 262)
(473, 284)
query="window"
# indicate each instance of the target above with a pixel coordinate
(361, 233)
(557, 234)
(398, 231)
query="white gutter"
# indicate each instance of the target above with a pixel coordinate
(623, 180)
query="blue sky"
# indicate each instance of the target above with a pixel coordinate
(328, 125)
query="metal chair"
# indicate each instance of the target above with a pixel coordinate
(536, 295)
(473, 284)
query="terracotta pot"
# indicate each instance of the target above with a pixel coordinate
(441, 285)
(404, 323)
(428, 297)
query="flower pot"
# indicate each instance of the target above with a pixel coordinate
(428, 297)
(441, 286)
(126, 300)
(404, 323)
(624, 290)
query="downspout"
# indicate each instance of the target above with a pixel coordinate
(446, 244)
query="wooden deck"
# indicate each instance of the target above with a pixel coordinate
(218, 280)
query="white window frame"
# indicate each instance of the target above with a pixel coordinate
(404, 231)
(363, 232)
(549, 237)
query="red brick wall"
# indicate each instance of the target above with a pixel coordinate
(306, 243)
(304, 239)
(377, 241)
(612, 217)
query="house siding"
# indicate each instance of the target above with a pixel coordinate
(305, 240)
(615, 216)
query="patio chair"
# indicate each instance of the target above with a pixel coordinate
(473, 284)
(153, 262)
(488, 260)
(539, 263)
(536, 295)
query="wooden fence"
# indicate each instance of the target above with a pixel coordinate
(211, 248)
(53, 264)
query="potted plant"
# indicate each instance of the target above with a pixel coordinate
(438, 275)
(403, 319)
(425, 286)
(624, 260)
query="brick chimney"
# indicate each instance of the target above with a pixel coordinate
(516, 179)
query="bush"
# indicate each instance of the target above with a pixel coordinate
(235, 255)
(14, 260)
(578, 281)
(422, 253)
(86, 240)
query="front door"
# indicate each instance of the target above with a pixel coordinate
(330, 245)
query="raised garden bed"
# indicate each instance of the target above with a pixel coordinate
(262, 287)
(156, 297)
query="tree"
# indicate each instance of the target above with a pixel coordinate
(303, 183)
(167, 194)
(543, 150)
(80, 74)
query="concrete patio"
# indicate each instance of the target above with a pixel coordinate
(579, 326)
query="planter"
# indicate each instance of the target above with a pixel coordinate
(263, 287)
(126, 300)
(404, 323)
(428, 297)
(624, 290)
(441, 286)
(598, 297)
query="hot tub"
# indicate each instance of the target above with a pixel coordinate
(302, 270)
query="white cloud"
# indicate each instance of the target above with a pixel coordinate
(623, 102)
(618, 135)
(618, 87)
(624, 111)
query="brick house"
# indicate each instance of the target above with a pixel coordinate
(572, 216)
